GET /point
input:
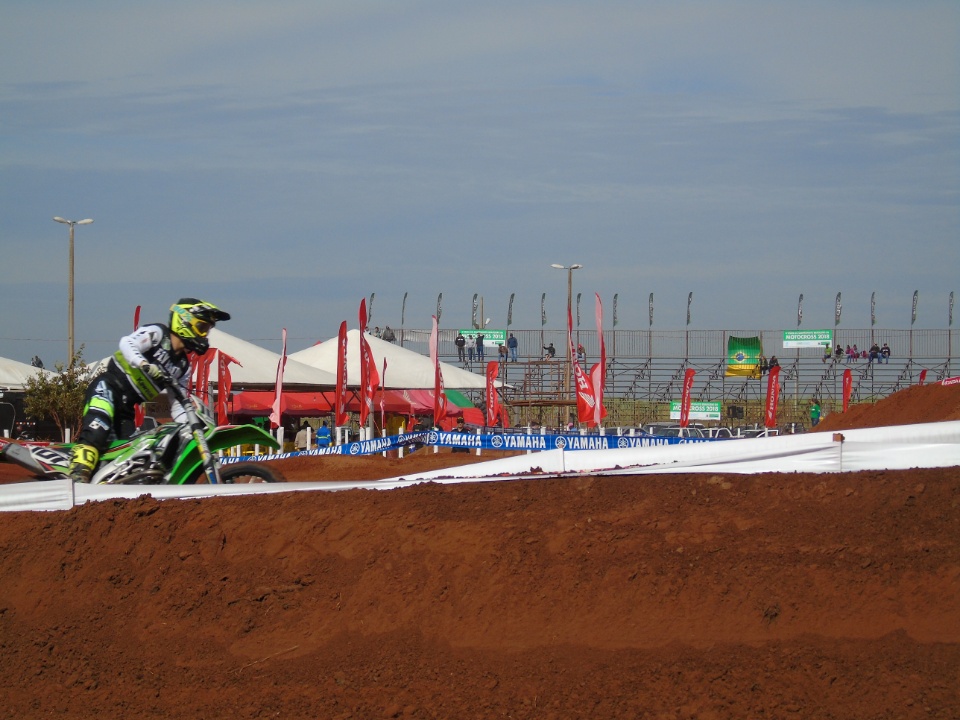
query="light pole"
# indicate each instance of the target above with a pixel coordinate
(71, 223)
(569, 269)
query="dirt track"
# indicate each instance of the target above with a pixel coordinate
(697, 596)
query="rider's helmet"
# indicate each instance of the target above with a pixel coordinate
(191, 320)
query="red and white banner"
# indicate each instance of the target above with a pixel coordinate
(439, 399)
(584, 386)
(224, 385)
(847, 388)
(685, 397)
(598, 373)
(773, 396)
(201, 367)
(278, 390)
(923, 377)
(340, 404)
(383, 412)
(369, 380)
(493, 400)
(951, 381)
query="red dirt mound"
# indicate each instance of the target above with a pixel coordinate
(915, 404)
(692, 596)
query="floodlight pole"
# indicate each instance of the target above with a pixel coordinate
(72, 224)
(568, 380)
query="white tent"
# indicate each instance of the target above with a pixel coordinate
(405, 369)
(14, 374)
(258, 366)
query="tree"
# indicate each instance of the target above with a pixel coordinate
(59, 396)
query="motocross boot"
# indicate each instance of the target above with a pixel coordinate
(82, 462)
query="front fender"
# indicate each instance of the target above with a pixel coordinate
(189, 464)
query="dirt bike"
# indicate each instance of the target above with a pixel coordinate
(161, 456)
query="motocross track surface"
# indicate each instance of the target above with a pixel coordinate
(681, 596)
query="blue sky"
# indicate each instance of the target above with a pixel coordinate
(287, 159)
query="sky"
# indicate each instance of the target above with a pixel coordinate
(285, 160)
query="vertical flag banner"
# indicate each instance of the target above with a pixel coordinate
(743, 356)
(584, 388)
(685, 397)
(493, 400)
(578, 310)
(543, 310)
(950, 310)
(368, 369)
(913, 314)
(651, 309)
(439, 399)
(510, 310)
(923, 377)
(836, 311)
(278, 390)
(689, 303)
(383, 411)
(224, 386)
(370, 308)
(847, 388)
(773, 395)
(616, 296)
(403, 309)
(473, 313)
(340, 399)
(439, 309)
(598, 373)
(873, 309)
(800, 310)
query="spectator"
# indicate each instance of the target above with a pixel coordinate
(461, 343)
(774, 362)
(838, 354)
(849, 354)
(388, 334)
(551, 352)
(885, 353)
(814, 413)
(856, 353)
(874, 353)
(512, 344)
(827, 353)
(581, 354)
(502, 350)
(471, 347)
(302, 441)
(323, 435)
(460, 428)
(480, 347)
(762, 365)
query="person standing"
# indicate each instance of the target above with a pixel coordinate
(323, 435)
(461, 343)
(480, 347)
(814, 413)
(302, 441)
(512, 344)
(460, 428)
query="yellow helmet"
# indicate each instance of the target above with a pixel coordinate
(191, 320)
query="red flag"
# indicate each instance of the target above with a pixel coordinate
(923, 376)
(278, 392)
(439, 399)
(203, 375)
(340, 406)
(383, 379)
(586, 399)
(773, 395)
(598, 373)
(847, 388)
(685, 397)
(224, 383)
(493, 400)
(369, 380)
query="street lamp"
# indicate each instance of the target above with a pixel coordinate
(71, 223)
(569, 269)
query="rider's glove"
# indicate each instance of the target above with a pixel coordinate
(154, 371)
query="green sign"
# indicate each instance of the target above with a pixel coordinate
(698, 410)
(807, 338)
(491, 338)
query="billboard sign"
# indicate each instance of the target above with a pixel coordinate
(698, 410)
(807, 338)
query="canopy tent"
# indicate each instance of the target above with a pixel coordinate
(258, 366)
(405, 369)
(14, 374)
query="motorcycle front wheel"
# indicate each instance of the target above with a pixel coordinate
(247, 472)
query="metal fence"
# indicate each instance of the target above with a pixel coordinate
(645, 370)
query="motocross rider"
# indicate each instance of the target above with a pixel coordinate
(137, 373)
